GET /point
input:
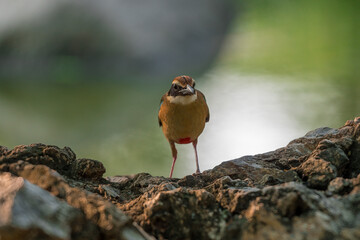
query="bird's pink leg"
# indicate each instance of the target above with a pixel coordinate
(174, 155)
(196, 156)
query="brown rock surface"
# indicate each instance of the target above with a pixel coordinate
(309, 189)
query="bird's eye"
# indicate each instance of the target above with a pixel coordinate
(176, 87)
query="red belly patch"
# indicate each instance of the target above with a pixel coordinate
(185, 140)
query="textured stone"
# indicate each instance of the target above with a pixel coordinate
(88, 168)
(29, 212)
(101, 219)
(191, 209)
(309, 189)
(51, 156)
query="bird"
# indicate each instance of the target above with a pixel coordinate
(182, 115)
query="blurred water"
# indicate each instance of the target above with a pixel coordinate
(117, 124)
(287, 67)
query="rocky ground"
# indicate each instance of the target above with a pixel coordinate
(309, 189)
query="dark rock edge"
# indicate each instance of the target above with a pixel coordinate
(309, 189)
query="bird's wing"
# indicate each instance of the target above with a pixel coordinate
(207, 108)
(160, 123)
(161, 102)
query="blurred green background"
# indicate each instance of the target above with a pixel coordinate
(271, 71)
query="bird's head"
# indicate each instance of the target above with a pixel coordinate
(182, 86)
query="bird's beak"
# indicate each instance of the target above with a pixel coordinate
(188, 90)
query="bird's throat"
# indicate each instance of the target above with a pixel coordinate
(182, 99)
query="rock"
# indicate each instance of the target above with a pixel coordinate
(340, 186)
(256, 169)
(292, 211)
(183, 214)
(330, 155)
(29, 212)
(317, 172)
(355, 151)
(343, 186)
(51, 156)
(330, 152)
(102, 218)
(88, 168)
(3, 150)
(309, 189)
(321, 132)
